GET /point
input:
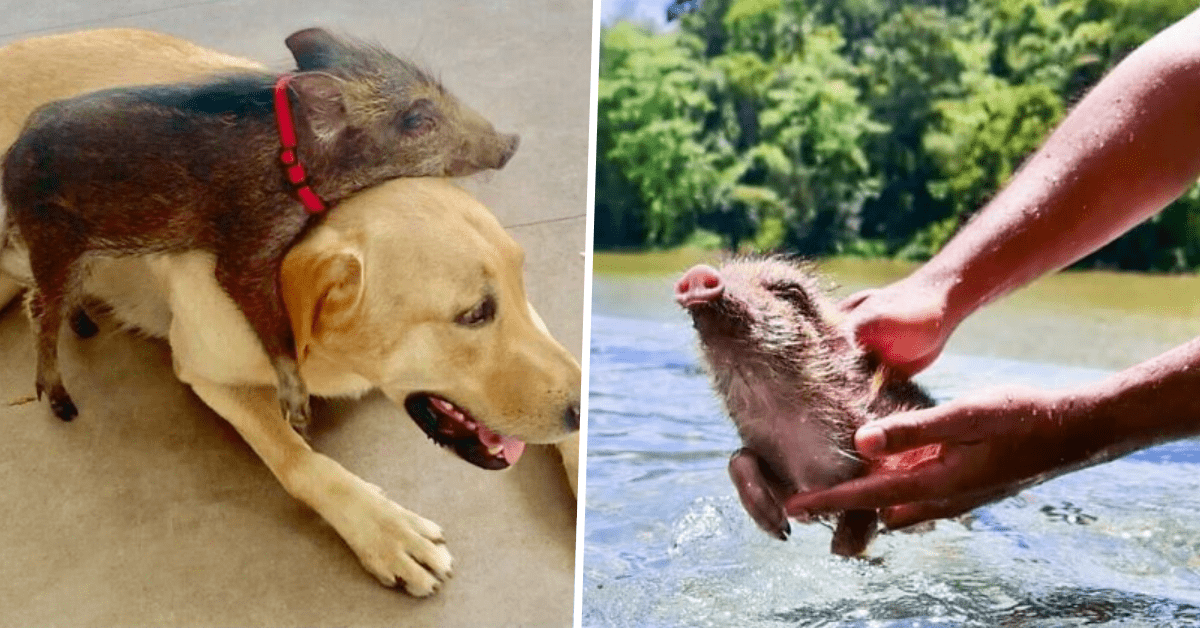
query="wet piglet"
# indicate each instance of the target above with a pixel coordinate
(794, 385)
(170, 168)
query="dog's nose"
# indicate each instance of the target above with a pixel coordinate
(571, 417)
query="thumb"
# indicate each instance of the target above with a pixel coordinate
(903, 431)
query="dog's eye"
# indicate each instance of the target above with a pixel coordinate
(480, 314)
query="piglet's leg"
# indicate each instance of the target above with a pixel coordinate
(248, 270)
(756, 495)
(49, 381)
(855, 529)
(54, 273)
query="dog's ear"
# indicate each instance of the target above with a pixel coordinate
(321, 291)
(323, 102)
(315, 48)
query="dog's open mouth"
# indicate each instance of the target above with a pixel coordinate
(451, 426)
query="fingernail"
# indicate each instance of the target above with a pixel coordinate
(870, 440)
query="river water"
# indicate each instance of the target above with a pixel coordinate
(667, 543)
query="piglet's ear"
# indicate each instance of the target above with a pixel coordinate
(323, 103)
(314, 48)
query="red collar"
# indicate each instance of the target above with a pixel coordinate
(288, 156)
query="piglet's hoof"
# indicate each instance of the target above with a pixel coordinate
(753, 488)
(60, 402)
(64, 408)
(855, 529)
(298, 415)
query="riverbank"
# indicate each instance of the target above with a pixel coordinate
(1169, 295)
(1099, 319)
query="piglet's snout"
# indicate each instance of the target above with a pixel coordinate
(700, 284)
(510, 148)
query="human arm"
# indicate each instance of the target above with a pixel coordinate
(998, 442)
(1126, 150)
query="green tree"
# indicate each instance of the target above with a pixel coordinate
(651, 149)
(787, 106)
(810, 147)
(909, 64)
(873, 126)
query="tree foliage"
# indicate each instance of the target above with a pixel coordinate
(862, 126)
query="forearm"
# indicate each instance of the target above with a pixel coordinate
(1153, 402)
(1128, 148)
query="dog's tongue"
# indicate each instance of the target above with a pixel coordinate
(512, 448)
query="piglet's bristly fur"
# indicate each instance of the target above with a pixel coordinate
(169, 168)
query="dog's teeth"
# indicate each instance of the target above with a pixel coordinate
(496, 450)
(452, 411)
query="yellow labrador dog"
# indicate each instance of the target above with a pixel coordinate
(411, 287)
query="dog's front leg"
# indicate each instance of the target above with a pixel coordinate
(9, 288)
(568, 448)
(397, 546)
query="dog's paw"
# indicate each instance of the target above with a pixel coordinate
(399, 547)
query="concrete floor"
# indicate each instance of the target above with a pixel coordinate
(149, 509)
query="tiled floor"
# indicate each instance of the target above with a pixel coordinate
(149, 510)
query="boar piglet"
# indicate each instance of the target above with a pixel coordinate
(169, 168)
(794, 385)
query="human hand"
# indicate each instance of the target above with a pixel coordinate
(905, 325)
(992, 445)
